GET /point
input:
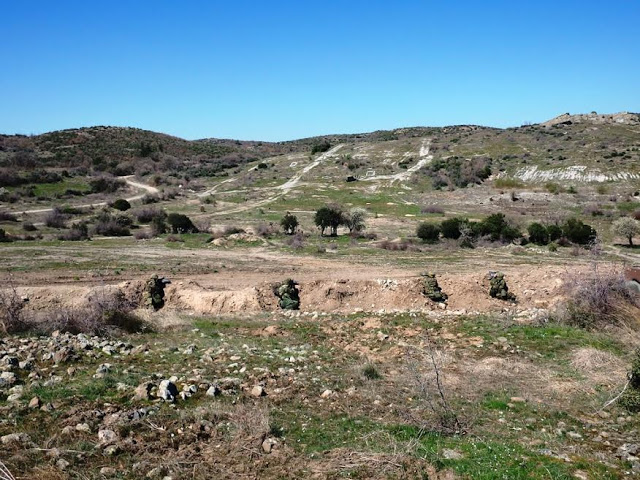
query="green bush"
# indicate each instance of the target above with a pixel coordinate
(450, 228)
(554, 232)
(497, 228)
(320, 147)
(121, 204)
(577, 232)
(538, 234)
(428, 232)
(180, 223)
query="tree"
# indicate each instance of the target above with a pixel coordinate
(289, 223)
(180, 223)
(320, 147)
(428, 232)
(626, 227)
(538, 234)
(329, 217)
(354, 220)
(578, 232)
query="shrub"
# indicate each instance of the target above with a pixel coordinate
(55, 219)
(12, 316)
(507, 183)
(433, 209)
(577, 232)
(146, 214)
(428, 232)
(458, 171)
(112, 225)
(553, 188)
(29, 227)
(450, 228)
(265, 229)
(106, 185)
(158, 226)
(497, 227)
(320, 147)
(329, 217)
(7, 217)
(538, 234)
(599, 299)
(180, 223)
(631, 397)
(121, 204)
(296, 241)
(554, 232)
(78, 231)
(370, 372)
(4, 237)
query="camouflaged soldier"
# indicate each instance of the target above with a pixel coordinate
(289, 295)
(499, 288)
(153, 295)
(431, 289)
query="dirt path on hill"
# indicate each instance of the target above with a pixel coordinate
(425, 158)
(143, 186)
(282, 189)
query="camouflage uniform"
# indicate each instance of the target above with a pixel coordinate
(289, 295)
(431, 288)
(499, 288)
(154, 292)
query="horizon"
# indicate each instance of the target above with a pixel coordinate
(315, 136)
(250, 71)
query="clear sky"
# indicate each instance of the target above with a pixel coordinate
(279, 70)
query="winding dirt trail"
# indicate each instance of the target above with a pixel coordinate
(127, 179)
(425, 158)
(283, 189)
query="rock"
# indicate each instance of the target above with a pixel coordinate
(213, 391)
(7, 379)
(517, 400)
(111, 451)
(103, 368)
(271, 330)
(574, 435)
(63, 355)
(83, 427)
(107, 436)
(108, 471)
(168, 390)
(157, 472)
(258, 391)
(62, 464)
(35, 402)
(268, 445)
(21, 438)
(142, 391)
(450, 454)
(326, 394)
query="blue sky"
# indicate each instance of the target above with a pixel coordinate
(291, 69)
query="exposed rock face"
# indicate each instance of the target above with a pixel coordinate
(626, 118)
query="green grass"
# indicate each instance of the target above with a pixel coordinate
(486, 458)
